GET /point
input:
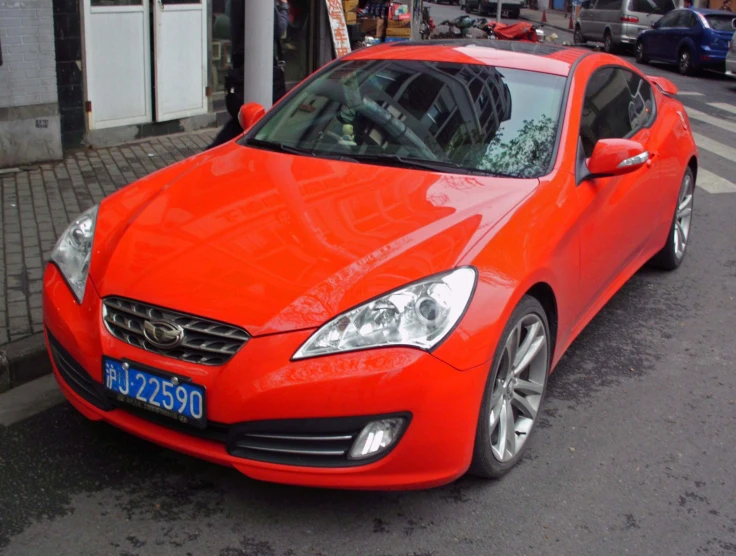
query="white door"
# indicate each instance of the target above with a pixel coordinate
(117, 62)
(180, 58)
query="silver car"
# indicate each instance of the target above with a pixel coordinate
(617, 23)
(731, 56)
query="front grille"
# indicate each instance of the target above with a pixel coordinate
(76, 377)
(205, 342)
(323, 442)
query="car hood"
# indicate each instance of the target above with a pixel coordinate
(275, 242)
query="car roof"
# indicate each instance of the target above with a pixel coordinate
(538, 57)
(705, 11)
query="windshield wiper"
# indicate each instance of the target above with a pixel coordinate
(423, 164)
(284, 148)
(278, 147)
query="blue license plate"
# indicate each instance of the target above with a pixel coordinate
(167, 396)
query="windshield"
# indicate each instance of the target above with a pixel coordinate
(721, 22)
(441, 116)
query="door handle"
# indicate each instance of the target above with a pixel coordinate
(651, 157)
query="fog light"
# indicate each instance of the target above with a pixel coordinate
(377, 437)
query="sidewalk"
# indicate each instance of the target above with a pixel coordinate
(555, 19)
(37, 204)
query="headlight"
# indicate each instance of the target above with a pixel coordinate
(73, 251)
(419, 315)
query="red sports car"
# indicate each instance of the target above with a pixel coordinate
(370, 287)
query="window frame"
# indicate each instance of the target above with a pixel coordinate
(581, 168)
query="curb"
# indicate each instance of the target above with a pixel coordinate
(22, 361)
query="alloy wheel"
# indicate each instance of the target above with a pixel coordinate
(685, 62)
(518, 388)
(608, 43)
(684, 216)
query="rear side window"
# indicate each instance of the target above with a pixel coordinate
(652, 6)
(721, 22)
(618, 103)
(670, 20)
(609, 5)
(690, 20)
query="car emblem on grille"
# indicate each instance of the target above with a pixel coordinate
(162, 334)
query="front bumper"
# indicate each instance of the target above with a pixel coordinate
(261, 385)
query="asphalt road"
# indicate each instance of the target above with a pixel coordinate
(635, 453)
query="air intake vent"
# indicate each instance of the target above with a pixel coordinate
(76, 377)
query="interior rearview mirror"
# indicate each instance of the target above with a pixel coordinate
(613, 157)
(249, 114)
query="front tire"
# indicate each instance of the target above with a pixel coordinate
(641, 55)
(514, 391)
(672, 254)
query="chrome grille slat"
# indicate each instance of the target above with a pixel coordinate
(300, 452)
(297, 447)
(205, 342)
(301, 437)
(187, 322)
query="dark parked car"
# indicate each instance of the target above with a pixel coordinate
(691, 38)
(489, 7)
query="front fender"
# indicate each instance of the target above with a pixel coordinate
(539, 243)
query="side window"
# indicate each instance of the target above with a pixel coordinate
(617, 104)
(669, 20)
(683, 16)
(691, 20)
(609, 4)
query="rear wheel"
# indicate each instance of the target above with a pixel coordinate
(641, 55)
(514, 391)
(608, 45)
(673, 252)
(685, 62)
(578, 37)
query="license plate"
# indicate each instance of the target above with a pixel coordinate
(164, 395)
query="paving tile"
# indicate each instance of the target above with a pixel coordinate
(36, 205)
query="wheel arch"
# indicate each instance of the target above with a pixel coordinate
(693, 165)
(686, 43)
(543, 292)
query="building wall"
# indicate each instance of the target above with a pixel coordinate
(29, 110)
(69, 71)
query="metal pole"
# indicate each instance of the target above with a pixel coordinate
(258, 65)
(498, 10)
(415, 9)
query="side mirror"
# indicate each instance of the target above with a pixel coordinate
(667, 86)
(249, 114)
(613, 157)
